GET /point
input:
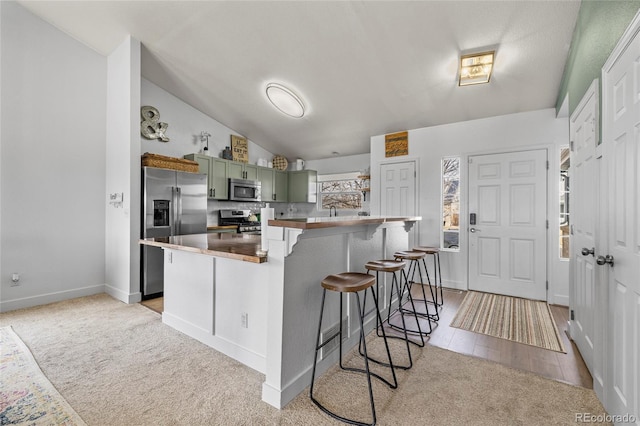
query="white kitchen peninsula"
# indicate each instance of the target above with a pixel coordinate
(265, 314)
(301, 253)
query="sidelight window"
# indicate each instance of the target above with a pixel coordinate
(564, 203)
(450, 234)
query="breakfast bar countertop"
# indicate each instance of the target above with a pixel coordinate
(335, 221)
(243, 247)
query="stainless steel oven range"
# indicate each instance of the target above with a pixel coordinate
(246, 221)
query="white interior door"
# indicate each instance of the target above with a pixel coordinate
(507, 243)
(398, 192)
(621, 139)
(586, 290)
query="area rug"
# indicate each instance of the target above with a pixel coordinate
(26, 396)
(512, 318)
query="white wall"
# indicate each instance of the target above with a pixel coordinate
(123, 171)
(185, 125)
(348, 163)
(52, 163)
(509, 132)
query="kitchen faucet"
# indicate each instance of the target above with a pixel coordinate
(335, 211)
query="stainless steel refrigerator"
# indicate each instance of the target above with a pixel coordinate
(173, 203)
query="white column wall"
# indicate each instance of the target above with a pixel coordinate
(429, 145)
(122, 230)
(51, 161)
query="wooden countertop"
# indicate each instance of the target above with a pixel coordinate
(335, 221)
(219, 227)
(232, 246)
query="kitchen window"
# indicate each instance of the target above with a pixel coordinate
(342, 191)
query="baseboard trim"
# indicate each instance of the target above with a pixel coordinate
(122, 296)
(44, 299)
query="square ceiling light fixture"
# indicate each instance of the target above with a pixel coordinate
(476, 68)
(285, 100)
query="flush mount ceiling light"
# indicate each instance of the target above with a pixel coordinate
(285, 100)
(476, 68)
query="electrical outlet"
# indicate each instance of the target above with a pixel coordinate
(15, 279)
(244, 320)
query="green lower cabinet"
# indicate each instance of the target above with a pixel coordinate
(217, 175)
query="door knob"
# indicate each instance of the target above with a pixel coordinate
(473, 230)
(586, 251)
(601, 260)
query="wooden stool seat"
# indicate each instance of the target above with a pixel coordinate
(427, 250)
(348, 282)
(385, 265)
(409, 254)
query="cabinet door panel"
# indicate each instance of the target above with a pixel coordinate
(280, 186)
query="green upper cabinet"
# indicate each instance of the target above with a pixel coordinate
(280, 186)
(217, 174)
(243, 171)
(303, 186)
(274, 184)
(265, 176)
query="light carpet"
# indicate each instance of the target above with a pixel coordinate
(117, 364)
(512, 318)
(26, 396)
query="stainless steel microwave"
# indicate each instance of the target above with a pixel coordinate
(244, 190)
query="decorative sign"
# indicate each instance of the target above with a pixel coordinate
(396, 144)
(240, 149)
(151, 127)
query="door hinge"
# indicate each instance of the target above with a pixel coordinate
(547, 285)
(547, 223)
(547, 164)
(470, 160)
(571, 146)
(573, 317)
(571, 230)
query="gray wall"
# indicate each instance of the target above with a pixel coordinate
(599, 27)
(52, 166)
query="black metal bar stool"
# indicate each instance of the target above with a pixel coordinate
(351, 282)
(392, 266)
(437, 278)
(414, 258)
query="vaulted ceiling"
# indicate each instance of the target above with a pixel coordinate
(362, 68)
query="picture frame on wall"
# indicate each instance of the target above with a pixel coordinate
(396, 144)
(239, 149)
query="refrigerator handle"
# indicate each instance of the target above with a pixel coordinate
(178, 211)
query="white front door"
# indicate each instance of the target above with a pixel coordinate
(621, 139)
(507, 243)
(398, 192)
(586, 290)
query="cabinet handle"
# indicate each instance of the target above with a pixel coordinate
(214, 192)
(273, 197)
(210, 192)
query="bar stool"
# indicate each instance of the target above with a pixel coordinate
(351, 282)
(414, 258)
(392, 266)
(437, 279)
